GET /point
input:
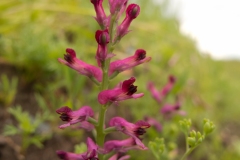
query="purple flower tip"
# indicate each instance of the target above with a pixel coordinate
(172, 79)
(133, 11)
(70, 56)
(73, 117)
(62, 155)
(140, 54)
(96, 2)
(102, 37)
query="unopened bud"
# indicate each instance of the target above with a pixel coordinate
(102, 37)
(133, 11)
(191, 141)
(193, 133)
(208, 126)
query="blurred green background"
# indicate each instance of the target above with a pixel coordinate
(34, 33)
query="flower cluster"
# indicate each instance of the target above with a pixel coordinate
(167, 110)
(107, 38)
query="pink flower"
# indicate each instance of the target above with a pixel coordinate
(121, 65)
(135, 130)
(159, 95)
(119, 145)
(73, 117)
(155, 93)
(168, 87)
(86, 125)
(169, 109)
(154, 123)
(123, 91)
(117, 6)
(102, 38)
(101, 17)
(83, 68)
(90, 154)
(132, 12)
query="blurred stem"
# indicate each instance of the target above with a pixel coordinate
(104, 86)
(92, 121)
(187, 153)
(186, 136)
(25, 143)
(109, 130)
(188, 150)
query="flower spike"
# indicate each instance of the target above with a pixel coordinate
(73, 117)
(131, 129)
(121, 65)
(81, 67)
(123, 91)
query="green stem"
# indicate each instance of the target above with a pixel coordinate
(110, 129)
(188, 150)
(187, 147)
(92, 121)
(100, 128)
(187, 153)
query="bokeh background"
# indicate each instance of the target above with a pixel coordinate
(34, 33)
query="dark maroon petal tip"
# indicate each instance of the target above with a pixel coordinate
(71, 54)
(131, 90)
(128, 86)
(133, 11)
(141, 54)
(102, 37)
(95, 2)
(62, 154)
(142, 124)
(64, 109)
(65, 117)
(172, 79)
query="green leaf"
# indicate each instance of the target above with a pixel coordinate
(10, 130)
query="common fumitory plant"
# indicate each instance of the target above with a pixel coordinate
(107, 37)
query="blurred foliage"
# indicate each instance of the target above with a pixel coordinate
(34, 33)
(33, 130)
(8, 90)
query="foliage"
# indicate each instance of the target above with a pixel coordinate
(8, 90)
(31, 129)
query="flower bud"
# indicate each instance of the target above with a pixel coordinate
(193, 133)
(117, 5)
(191, 141)
(199, 135)
(208, 126)
(133, 11)
(102, 37)
(101, 17)
(185, 125)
